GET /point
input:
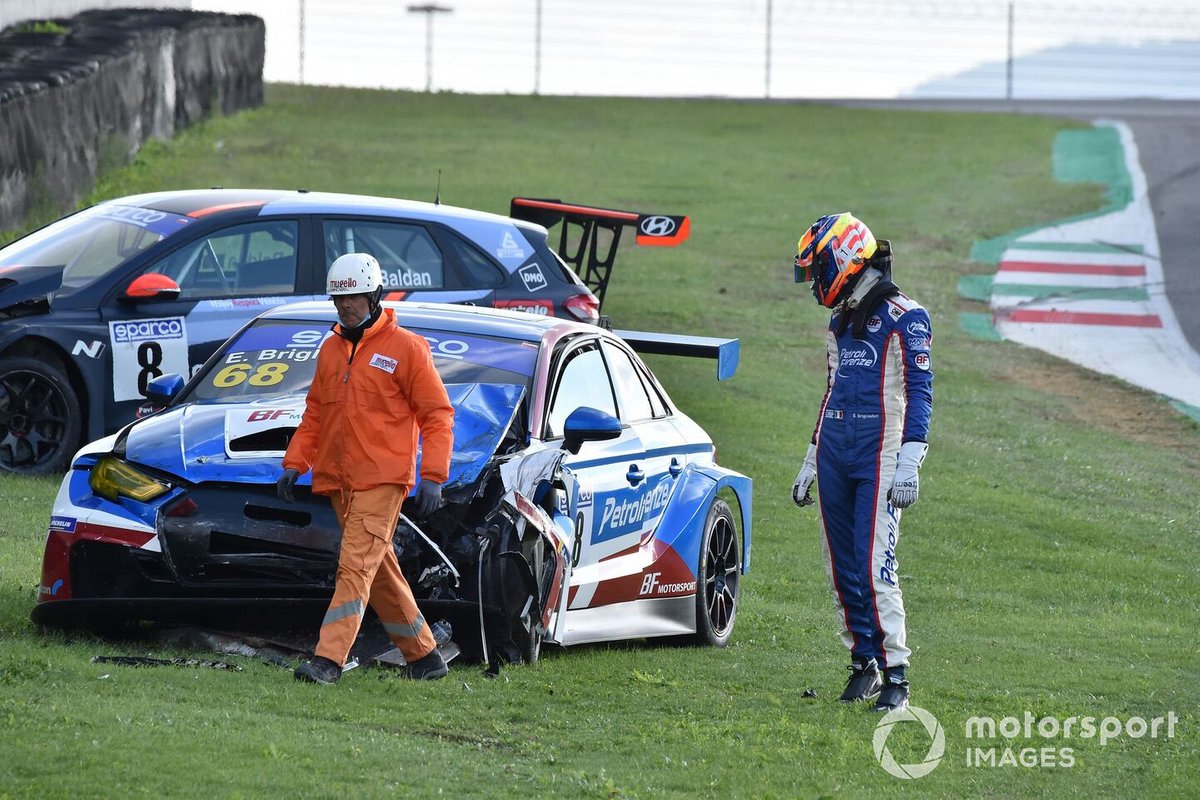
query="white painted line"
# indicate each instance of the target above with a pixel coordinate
(1088, 281)
(1063, 303)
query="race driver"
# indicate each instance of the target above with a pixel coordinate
(375, 389)
(868, 445)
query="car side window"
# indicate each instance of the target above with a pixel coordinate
(632, 399)
(408, 256)
(102, 249)
(657, 401)
(480, 271)
(583, 381)
(249, 260)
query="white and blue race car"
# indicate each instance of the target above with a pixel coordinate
(96, 305)
(582, 504)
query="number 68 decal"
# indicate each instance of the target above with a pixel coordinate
(267, 374)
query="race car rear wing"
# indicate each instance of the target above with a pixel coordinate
(725, 351)
(579, 238)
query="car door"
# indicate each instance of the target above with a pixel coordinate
(419, 261)
(225, 278)
(625, 483)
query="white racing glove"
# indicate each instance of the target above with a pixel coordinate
(805, 478)
(906, 485)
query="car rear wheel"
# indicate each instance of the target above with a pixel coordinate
(720, 577)
(39, 417)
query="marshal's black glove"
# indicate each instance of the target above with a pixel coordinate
(429, 497)
(285, 484)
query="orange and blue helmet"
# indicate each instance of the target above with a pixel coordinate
(833, 253)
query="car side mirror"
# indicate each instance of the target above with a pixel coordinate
(589, 425)
(150, 287)
(163, 389)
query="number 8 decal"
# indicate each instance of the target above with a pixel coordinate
(149, 356)
(269, 374)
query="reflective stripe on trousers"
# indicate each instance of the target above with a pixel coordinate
(368, 573)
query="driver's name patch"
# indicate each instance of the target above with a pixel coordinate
(384, 363)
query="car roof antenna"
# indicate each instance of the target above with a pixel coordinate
(437, 193)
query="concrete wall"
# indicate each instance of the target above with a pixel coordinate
(73, 102)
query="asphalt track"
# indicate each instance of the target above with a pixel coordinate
(1167, 134)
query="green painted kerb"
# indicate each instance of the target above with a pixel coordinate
(1094, 155)
(979, 326)
(1067, 292)
(976, 287)
(1091, 155)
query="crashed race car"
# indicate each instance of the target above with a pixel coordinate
(582, 505)
(96, 305)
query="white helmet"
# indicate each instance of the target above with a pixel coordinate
(354, 273)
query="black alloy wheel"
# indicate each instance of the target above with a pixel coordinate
(720, 573)
(39, 417)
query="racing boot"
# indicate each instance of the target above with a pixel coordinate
(319, 670)
(894, 694)
(864, 681)
(428, 668)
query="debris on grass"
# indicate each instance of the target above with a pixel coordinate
(146, 661)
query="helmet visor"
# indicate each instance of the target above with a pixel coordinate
(803, 269)
(820, 268)
(804, 265)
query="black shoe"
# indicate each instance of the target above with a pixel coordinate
(863, 683)
(319, 670)
(429, 668)
(894, 695)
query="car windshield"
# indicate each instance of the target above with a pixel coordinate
(93, 242)
(279, 357)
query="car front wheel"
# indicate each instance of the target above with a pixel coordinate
(39, 417)
(720, 572)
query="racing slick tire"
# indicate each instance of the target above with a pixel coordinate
(40, 420)
(719, 573)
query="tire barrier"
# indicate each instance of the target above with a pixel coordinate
(89, 92)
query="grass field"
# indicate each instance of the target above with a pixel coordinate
(1050, 568)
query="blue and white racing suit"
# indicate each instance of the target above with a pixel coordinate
(880, 394)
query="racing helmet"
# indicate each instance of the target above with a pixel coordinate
(833, 253)
(355, 273)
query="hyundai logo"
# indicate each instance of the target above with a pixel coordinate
(658, 226)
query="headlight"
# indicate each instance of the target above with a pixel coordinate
(113, 478)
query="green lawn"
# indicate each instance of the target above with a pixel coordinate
(1050, 567)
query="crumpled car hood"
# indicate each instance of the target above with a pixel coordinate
(22, 284)
(244, 442)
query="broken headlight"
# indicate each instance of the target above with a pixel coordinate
(113, 479)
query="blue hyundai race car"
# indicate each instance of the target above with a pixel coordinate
(96, 305)
(582, 505)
